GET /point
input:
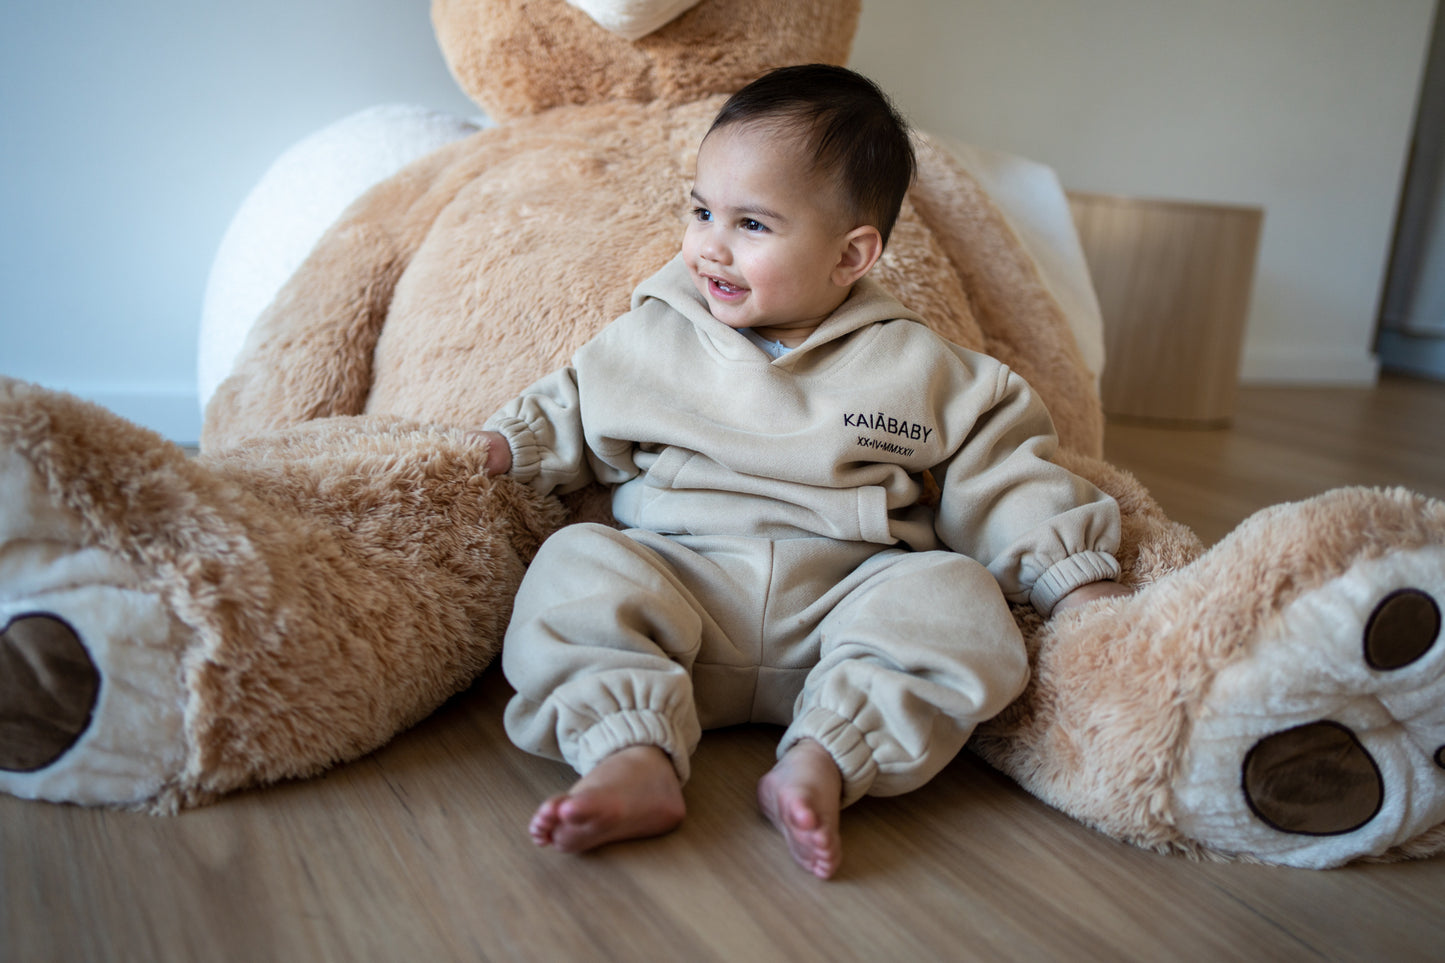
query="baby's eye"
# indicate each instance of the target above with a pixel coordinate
(751, 225)
(702, 213)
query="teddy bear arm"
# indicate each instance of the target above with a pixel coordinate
(309, 355)
(1023, 322)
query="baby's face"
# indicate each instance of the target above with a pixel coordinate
(766, 235)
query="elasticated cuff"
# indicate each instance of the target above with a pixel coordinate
(1072, 572)
(844, 741)
(631, 727)
(526, 452)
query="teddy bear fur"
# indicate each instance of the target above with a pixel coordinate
(334, 565)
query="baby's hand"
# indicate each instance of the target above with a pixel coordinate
(499, 453)
(1087, 593)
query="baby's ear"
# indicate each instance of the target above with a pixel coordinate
(863, 246)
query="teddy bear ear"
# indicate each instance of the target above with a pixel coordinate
(632, 19)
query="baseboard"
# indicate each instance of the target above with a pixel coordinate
(1304, 365)
(1423, 357)
(172, 411)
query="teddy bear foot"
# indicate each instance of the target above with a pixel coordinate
(91, 703)
(1329, 743)
(91, 700)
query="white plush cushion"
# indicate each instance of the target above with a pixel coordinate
(1032, 199)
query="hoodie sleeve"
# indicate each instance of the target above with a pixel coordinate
(1041, 530)
(543, 427)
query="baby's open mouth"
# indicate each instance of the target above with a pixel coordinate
(724, 288)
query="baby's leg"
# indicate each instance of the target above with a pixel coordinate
(631, 794)
(803, 796)
(599, 652)
(920, 648)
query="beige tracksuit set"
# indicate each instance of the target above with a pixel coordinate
(781, 562)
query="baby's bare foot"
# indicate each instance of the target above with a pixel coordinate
(802, 796)
(631, 794)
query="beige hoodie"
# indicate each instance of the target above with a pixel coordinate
(704, 433)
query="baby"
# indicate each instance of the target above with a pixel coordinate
(771, 419)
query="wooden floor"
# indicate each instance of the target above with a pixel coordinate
(417, 853)
(1286, 444)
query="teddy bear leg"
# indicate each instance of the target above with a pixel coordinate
(179, 628)
(1327, 743)
(91, 709)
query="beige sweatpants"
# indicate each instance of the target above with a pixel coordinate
(888, 658)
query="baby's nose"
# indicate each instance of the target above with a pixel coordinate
(717, 250)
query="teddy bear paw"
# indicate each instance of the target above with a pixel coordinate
(1327, 743)
(91, 700)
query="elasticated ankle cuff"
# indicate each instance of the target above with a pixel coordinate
(631, 727)
(844, 742)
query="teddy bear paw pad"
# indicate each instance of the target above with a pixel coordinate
(1404, 627)
(1324, 741)
(48, 687)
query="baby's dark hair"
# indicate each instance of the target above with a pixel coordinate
(853, 130)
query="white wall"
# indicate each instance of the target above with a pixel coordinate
(1302, 107)
(130, 132)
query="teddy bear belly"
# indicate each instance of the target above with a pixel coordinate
(1327, 741)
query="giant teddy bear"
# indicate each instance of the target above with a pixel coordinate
(334, 564)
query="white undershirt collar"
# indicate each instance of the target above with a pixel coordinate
(775, 349)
